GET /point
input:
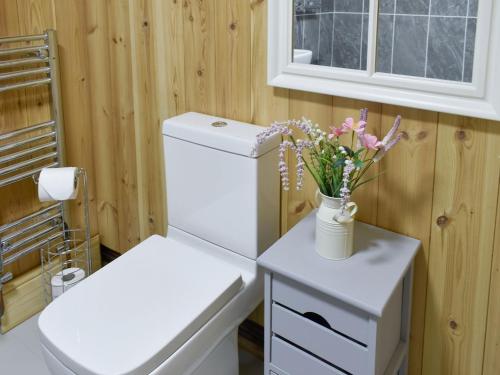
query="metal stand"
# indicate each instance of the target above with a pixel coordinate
(67, 259)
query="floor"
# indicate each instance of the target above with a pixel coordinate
(20, 353)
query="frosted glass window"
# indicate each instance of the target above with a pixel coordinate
(427, 38)
(336, 31)
(420, 38)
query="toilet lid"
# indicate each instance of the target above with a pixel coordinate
(133, 314)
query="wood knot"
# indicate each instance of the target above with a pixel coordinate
(92, 29)
(442, 221)
(191, 18)
(405, 135)
(300, 207)
(233, 25)
(199, 72)
(421, 135)
(151, 220)
(453, 324)
(145, 24)
(460, 135)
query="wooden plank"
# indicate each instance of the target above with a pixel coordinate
(366, 197)
(269, 103)
(148, 125)
(491, 363)
(464, 208)
(169, 36)
(103, 123)
(74, 72)
(123, 122)
(199, 48)
(24, 296)
(233, 57)
(405, 202)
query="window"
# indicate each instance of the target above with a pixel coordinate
(433, 54)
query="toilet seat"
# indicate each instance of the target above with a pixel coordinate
(146, 306)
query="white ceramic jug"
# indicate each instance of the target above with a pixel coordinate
(334, 231)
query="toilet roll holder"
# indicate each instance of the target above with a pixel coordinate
(70, 250)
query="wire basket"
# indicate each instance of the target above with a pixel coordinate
(65, 262)
(66, 257)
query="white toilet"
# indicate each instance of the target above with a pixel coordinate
(173, 305)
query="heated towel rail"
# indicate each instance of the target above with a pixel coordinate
(30, 61)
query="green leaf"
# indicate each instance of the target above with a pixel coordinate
(358, 163)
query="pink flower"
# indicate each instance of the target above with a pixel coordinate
(350, 124)
(369, 141)
(389, 141)
(336, 132)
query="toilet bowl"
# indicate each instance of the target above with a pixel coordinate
(172, 305)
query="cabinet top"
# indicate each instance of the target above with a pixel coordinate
(365, 280)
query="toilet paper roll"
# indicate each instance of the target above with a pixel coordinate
(57, 184)
(65, 280)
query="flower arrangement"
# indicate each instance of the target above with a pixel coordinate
(338, 169)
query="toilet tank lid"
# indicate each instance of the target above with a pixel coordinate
(219, 133)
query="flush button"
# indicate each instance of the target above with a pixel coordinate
(219, 124)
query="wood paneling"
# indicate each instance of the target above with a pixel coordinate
(76, 94)
(233, 63)
(103, 119)
(462, 235)
(405, 201)
(199, 55)
(492, 345)
(128, 64)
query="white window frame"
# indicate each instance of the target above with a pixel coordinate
(481, 98)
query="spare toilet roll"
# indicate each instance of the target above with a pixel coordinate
(66, 279)
(57, 184)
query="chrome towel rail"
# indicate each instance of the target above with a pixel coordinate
(15, 133)
(18, 153)
(23, 73)
(16, 51)
(22, 85)
(31, 61)
(25, 61)
(28, 151)
(24, 38)
(27, 163)
(44, 211)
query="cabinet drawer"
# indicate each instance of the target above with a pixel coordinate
(318, 340)
(341, 317)
(294, 361)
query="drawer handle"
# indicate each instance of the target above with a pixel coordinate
(316, 318)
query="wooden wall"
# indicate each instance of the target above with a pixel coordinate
(129, 64)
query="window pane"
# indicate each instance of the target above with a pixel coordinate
(423, 38)
(331, 33)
